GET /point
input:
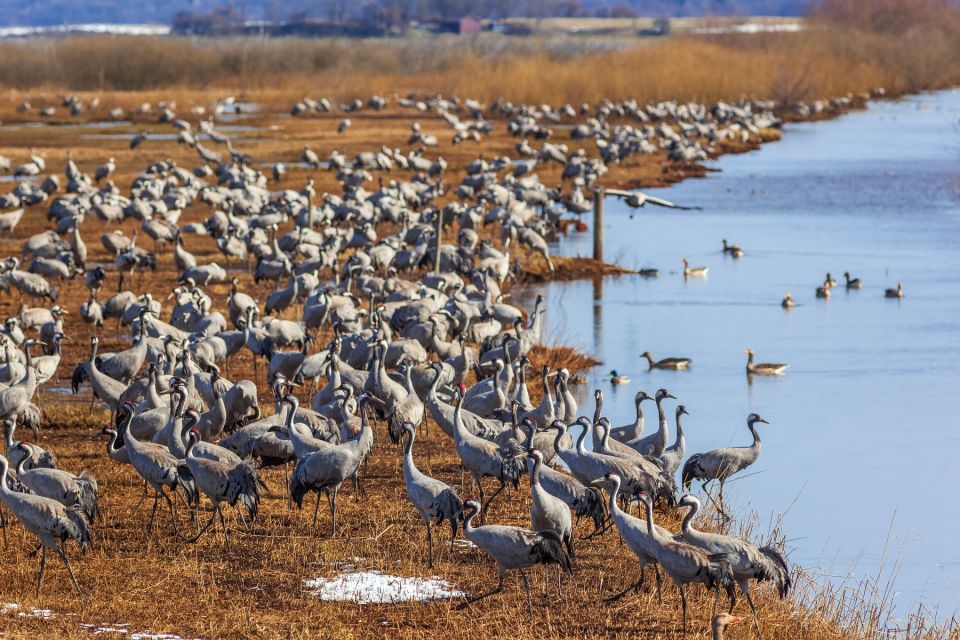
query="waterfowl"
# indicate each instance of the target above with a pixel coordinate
(787, 302)
(616, 378)
(824, 291)
(764, 368)
(829, 280)
(666, 363)
(852, 283)
(894, 293)
(734, 250)
(693, 272)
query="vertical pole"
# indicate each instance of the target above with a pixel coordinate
(436, 256)
(598, 195)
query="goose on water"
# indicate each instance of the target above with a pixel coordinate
(763, 368)
(894, 293)
(693, 272)
(666, 363)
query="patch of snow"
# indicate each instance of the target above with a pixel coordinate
(373, 587)
(463, 543)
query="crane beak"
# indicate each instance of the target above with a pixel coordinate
(599, 482)
(763, 421)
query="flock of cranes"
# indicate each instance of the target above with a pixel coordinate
(398, 331)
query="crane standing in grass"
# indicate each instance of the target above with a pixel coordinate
(514, 548)
(47, 519)
(435, 500)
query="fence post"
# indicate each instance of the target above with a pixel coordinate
(598, 196)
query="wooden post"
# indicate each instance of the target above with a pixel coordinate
(436, 257)
(436, 251)
(598, 195)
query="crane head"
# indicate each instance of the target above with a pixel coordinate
(753, 418)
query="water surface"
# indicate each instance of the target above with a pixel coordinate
(864, 435)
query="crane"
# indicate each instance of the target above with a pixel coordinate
(483, 458)
(655, 443)
(513, 548)
(47, 519)
(435, 500)
(720, 464)
(673, 455)
(326, 469)
(159, 468)
(747, 560)
(64, 487)
(221, 481)
(685, 563)
(634, 533)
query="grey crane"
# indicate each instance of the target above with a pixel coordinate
(586, 466)
(747, 560)
(159, 468)
(105, 387)
(632, 431)
(408, 410)
(435, 500)
(223, 482)
(64, 487)
(46, 366)
(583, 501)
(513, 548)
(685, 563)
(673, 456)
(47, 519)
(443, 414)
(548, 512)
(656, 443)
(720, 464)
(30, 454)
(325, 470)
(15, 399)
(483, 458)
(633, 531)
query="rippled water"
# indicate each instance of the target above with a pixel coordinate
(864, 426)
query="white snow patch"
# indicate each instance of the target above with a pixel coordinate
(13, 607)
(463, 543)
(373, 587)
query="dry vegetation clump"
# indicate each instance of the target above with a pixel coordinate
(849, 46)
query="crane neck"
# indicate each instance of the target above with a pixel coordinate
(756, 437)
(535, 471)
(687, 525)
(649, 507)
(582, 438)
(614, 492)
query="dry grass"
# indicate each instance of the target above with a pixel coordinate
(850, 46)
(254, 587)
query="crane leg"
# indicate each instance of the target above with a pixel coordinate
(635, 586)
(173, 510)
(142, 497)
(223, 524)
(656, 569)
(316, 508)
(715, 503)
(753, 609)
(683, 603)
(495, 494)
(526, 586)
(153, 514)
(3, 525)
(43, 566)
(333, 509)
(66, 562)
(430, 544)
(203, 530)
(498, 589)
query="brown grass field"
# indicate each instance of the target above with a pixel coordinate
(253, 586)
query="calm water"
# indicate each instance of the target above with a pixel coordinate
(864, 433)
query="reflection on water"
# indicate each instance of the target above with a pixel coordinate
(863, 434)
